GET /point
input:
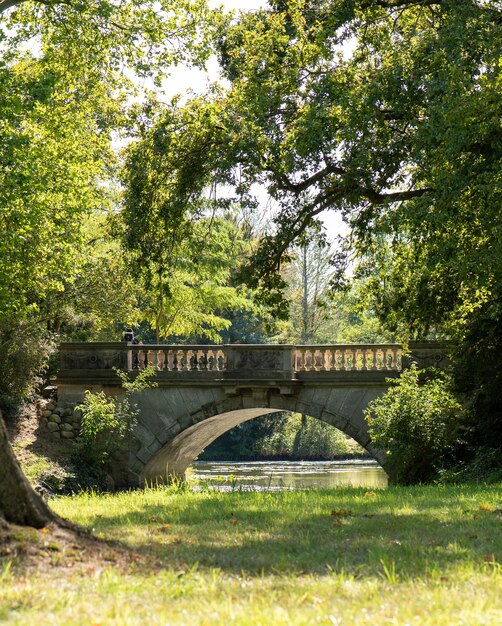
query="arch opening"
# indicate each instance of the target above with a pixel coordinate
(174, 458)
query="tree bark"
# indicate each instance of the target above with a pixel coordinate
(19, 504)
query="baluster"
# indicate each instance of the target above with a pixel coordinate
(336, 360)
(308, 360)
(324, 354)
(221, 361)
(364, 359)
(399, 359)
(162, 359)
(379, 358)
(148, 358)
(142, 359)
(304, 359)
(358, 359)
(173, 360)
(157, 359)
(343, 361)
(316, 360)
(203, 360)
(192, 361)
(169, 360)
(329, 359)
(388, 358)
(354, 358)
(373, 359)
(186, 360)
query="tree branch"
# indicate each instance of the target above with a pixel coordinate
(311, 180)
(9, 4)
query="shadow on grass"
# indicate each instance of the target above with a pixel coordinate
(416, 532)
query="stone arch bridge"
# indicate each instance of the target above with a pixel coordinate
(203, 391)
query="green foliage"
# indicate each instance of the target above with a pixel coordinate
(108, 422)
(184, 259)
(316, 440)
(415, 421)
(66, 73)
(283, 436)
(24, 352)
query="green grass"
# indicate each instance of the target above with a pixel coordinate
(424, 555)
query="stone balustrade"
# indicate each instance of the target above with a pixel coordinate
(177, 358)
(314, 358)
(245, 361)
(350, 357)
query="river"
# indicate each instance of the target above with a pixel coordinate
(280, 475)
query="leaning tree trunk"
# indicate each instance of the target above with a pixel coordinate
(19, 504)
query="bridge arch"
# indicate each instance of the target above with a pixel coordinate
(186, 433)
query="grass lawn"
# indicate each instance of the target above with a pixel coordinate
(424, 555)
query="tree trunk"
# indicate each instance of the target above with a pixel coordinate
(19, 504)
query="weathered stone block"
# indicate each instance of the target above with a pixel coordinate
(67, 434)
(363, 437)
(56, 419)
(52, 427)
(185, 421)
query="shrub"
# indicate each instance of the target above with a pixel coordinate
(24, 351)
(108, 422)
(415, 421)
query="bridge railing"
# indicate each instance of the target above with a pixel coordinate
(308, 358)
(349, 357)
(177, 358)
(96, 361)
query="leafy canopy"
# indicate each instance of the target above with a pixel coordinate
(398, 130)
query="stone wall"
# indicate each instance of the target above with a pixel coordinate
(61, 419)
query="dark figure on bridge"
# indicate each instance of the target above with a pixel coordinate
(128, 335)
(130, 338)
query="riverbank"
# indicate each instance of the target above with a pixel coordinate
(423, 555)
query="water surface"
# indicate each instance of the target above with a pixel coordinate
(278, 475)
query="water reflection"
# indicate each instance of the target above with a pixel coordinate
(278, 475)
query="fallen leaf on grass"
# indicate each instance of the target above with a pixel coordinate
(341, 512)
(489, 558)
(370, 494)
(233, 520)
(486, 508)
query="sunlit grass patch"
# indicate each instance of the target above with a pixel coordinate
(424, 555)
